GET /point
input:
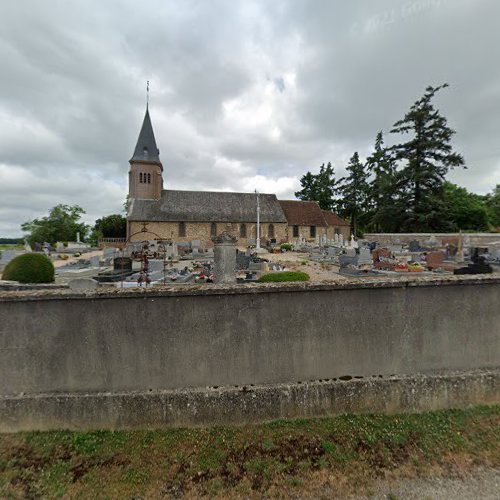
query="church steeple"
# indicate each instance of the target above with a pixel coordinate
(146, 149)
(145, 175)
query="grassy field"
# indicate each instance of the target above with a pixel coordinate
(317, 457)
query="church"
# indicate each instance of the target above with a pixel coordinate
(184, 216)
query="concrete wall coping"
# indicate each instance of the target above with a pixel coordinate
(472, 235)
(254, 288)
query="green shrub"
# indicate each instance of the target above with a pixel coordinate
(29, 268)
(288, 247)
(283, 276)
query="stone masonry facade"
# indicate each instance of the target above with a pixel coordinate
(204, 231)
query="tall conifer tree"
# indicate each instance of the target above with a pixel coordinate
(383, 188)
(354, 192)
(428, 156)
(319, 187)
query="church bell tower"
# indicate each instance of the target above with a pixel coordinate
(145, 174)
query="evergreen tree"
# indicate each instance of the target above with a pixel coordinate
(492, 201)
(354, 191)
(319, 187)
(383, 201)
(428, 156)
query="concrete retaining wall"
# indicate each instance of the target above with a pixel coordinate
(224, 336)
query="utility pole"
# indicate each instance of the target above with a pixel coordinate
(258, 221)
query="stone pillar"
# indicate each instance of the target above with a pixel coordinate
(224, 258)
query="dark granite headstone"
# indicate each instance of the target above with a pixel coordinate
(478, 266)
(122, 263)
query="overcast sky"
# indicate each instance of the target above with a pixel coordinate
(244, 94)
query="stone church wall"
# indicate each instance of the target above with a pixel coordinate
(203, 231)
(345, 231)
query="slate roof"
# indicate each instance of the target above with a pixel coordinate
(206, 206)
(303, 213)
(333, 219)
(146, 149)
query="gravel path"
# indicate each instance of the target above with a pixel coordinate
(481, 484)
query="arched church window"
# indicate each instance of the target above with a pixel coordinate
(213, 229)
(140, 177)
(149, 178)
(270, 231)
(243, 230)
(182, 229)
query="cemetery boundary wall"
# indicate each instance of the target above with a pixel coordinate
(194, 355)
(474, 239)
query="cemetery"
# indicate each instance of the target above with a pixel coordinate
(166, 333)
(155, 262)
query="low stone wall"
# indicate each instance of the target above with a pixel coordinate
(475, 239)
(103, 354)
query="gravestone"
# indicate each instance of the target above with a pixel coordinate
(332, 251)
(351, 252)
(414, 246)
(94, 261)
(365, 256)
(224, 258)
(122, 263)
(346, 260)
(83, 284)
(109, 253)
(478, 265)
(434, 259)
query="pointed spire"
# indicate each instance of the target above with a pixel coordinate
(146, 149)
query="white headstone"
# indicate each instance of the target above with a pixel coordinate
(364, 256)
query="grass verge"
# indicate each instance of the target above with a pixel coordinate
(316, 457)
(283, 276)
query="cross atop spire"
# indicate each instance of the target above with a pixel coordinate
(146, 149)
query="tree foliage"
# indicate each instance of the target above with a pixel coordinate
(382, 192)
(319, 187)
(464, 210)
(62, 224)
(354, 192)
(403, 188)
(492, 202)
(112, 226)
(427, 156)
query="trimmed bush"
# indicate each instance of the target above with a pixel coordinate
(29, 268)
(288, 247)
(284, 276)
